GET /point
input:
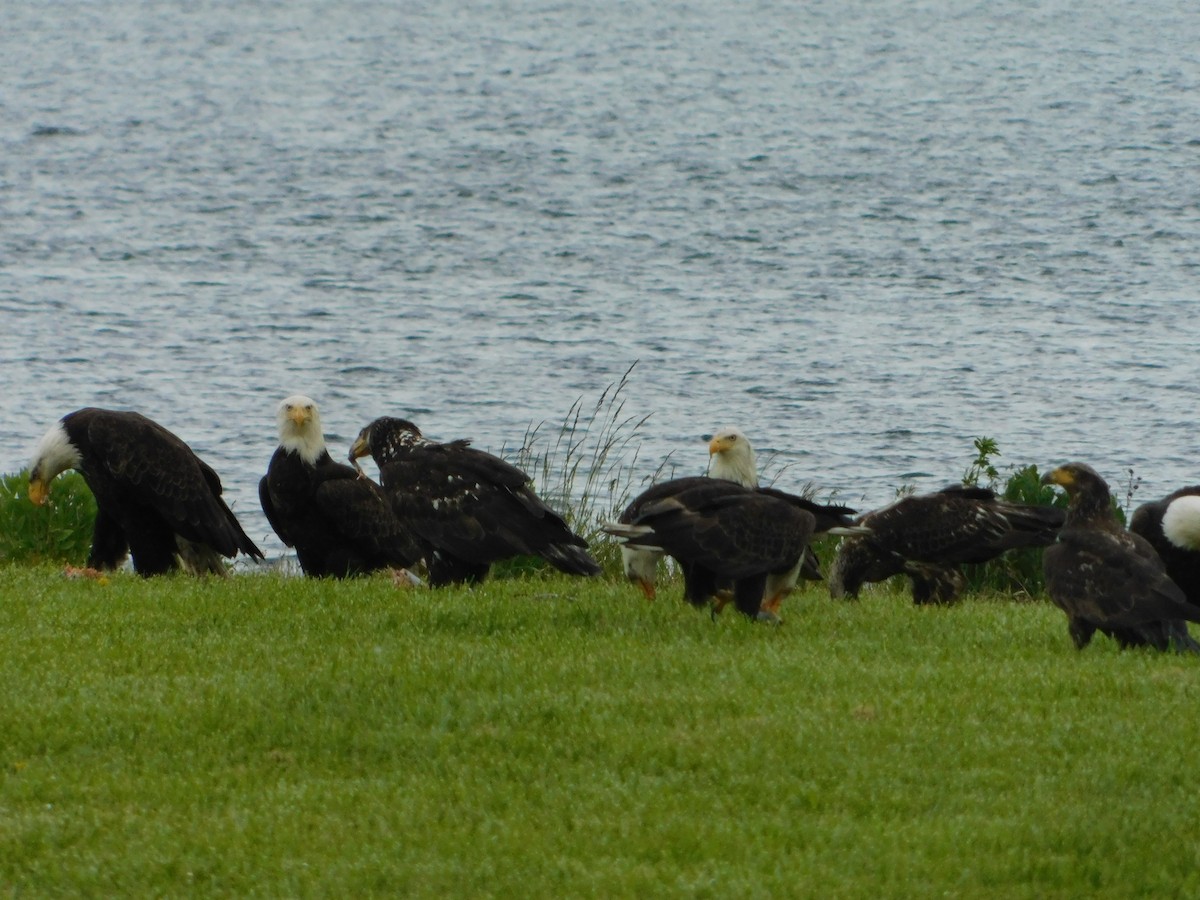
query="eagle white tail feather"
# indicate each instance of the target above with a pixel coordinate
(624, 533)
(850, 531)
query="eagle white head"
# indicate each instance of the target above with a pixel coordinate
(731, 457)
(300, 428)
(54, 454)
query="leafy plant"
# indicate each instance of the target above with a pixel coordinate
(586, 468)
(981, 467)
(1017, 572)
(60, 531)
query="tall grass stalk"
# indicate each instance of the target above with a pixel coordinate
(587, 467)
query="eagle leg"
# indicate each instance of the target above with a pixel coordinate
(772, 605)
(720, 600)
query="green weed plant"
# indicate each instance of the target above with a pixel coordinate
(60, 531)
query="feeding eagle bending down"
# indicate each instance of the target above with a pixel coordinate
(1108, 579)
(640, 563)
(469, 507)
(1172, 526)
(156, 500)
(731, 460)
(731, 457)
(721, 533)
(340, 522)
(929, 536)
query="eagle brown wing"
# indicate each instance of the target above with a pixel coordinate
(149, 464)
(479, 508)
(1112, 580)
(358, 509)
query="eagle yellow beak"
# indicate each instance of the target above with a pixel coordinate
(1060, 476)
(39, 491)
(719, 445)
(359, 448)
(299, 415)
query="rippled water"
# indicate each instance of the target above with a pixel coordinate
(866, 232)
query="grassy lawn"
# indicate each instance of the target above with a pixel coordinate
(274, 736)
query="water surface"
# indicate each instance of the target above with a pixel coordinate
(867, 233)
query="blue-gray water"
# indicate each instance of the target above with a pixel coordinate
(866, 232)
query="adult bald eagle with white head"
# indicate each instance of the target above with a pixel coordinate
(338, 520)
(156, 500)
(731, 457)
(732, 462)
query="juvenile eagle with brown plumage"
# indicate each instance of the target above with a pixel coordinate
(470, 508)
(1108, 579)
(721, 533)
(928, 537)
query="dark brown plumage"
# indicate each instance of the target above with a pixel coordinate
(640, 564)
(721, 533)
(339, 521)
(929, 536)
(470, 508)
(1108, 579)
(156, 500)
(1172, 526)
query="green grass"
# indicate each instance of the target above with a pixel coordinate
(553, 737)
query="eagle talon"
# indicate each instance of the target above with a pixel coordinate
(403, 578)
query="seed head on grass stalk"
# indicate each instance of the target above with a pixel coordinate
(588, 471)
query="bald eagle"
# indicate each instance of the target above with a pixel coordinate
(721, 533)
(1108, 579)
(731, 459)
(929, 536)
(156, 500)
(1172, 526)
(640, 563)
(338, 520)
(472, 508)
